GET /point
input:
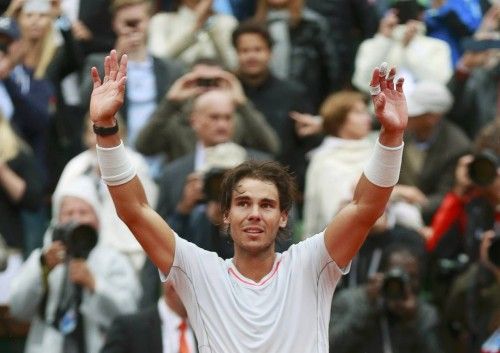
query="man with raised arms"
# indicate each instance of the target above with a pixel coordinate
(259, 301)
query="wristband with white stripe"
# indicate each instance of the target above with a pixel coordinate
(384, 165)
(116, 168)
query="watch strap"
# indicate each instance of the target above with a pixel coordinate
(106, 131)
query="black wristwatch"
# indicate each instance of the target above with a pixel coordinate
(105, 131)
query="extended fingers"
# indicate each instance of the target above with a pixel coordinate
(399, 84)
(382, 76)
(95, 77)
(390, 78)
(122, 71)
(375, 82)
(382, 79)
(113, 64)
(107, 68)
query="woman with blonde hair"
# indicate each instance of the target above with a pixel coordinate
(20, 185)
(31, 91)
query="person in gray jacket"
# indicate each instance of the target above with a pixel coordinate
(69, 293)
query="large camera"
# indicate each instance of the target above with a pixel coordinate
(79, 239)
(483, 168)
(396, 280)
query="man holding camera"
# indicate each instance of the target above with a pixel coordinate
(169, 130)
(386, 315)
(72, 289)
(469, 208)
(472, 311)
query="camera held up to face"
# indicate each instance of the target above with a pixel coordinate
(79, 239)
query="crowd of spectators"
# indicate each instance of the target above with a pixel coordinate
(210, 84)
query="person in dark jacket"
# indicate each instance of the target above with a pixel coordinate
(20, 188)
(302, 50)
(386, 314)
(161, 328)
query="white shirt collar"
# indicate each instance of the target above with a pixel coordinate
(199, 156)
(170, 322)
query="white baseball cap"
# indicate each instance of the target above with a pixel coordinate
(429, 97)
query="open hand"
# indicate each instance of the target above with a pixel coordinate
(389, 99)
(108, 94)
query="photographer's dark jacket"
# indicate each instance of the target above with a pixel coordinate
(117, 292)
(356, 326)
(472, 306)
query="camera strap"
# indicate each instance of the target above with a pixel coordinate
(386, 336)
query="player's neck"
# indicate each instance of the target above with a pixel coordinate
(253, 266)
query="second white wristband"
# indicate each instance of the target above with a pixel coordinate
(384, 165)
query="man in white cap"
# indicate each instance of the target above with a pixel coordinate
(433, 145)
(70, 297)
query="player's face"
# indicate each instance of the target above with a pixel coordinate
(255, 216)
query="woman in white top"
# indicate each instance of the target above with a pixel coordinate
(193, 31)
(337, 163)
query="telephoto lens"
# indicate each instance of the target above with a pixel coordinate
(483, 168)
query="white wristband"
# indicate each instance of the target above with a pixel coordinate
(115, 165)
(384, 165)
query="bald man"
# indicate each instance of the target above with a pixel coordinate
(169, 132)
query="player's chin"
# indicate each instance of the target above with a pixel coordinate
(257, 245)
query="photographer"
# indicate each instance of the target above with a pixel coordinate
(467, 211)
(170, 131)
(73, 288)
(386, 315)
(470, 207)
(473, 307)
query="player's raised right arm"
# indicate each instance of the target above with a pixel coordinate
(152, 232)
